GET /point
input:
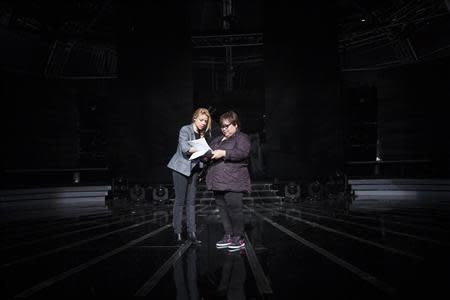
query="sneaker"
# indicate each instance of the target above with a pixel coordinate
(224, 242)
(237, 244)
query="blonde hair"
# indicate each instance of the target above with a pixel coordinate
(203, 111)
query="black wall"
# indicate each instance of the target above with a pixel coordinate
(293, 94)
(411, 113)
(153, 96)
(133, 120)
(40, 124)
(304, 131)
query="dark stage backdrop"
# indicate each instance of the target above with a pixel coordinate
(40, 124)
(411, 115)
(304, 113)
(153, 96)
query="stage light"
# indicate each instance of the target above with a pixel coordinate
(137, 193)
(160, 194)
(119, 187)
(292, 192)
(76, 177)
(315, 190)
(337, 183)
(275, 184)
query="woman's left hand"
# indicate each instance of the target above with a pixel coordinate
(218, 154)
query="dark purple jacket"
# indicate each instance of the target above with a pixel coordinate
(231, 172)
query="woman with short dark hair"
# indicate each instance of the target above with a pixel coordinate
(229, 179)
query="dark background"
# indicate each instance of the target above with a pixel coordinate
(321, 87)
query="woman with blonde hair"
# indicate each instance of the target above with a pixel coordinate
(185, 173)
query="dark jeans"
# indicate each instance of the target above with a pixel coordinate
(185, 189)
(231, 213)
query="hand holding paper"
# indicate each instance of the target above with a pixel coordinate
(202, 147)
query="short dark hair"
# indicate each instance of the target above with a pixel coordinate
(230, 116)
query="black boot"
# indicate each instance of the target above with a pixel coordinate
(193, 237)
(178, 238)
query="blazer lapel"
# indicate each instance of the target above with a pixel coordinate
(192, 133)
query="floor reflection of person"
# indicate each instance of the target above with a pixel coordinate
(186, 282)
(233, 277)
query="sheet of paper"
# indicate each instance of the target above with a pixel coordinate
(202, 147)
(197, 154)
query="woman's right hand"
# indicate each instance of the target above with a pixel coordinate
(192, 150)
(218, 154)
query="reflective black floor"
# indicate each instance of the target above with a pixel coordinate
(293, 250)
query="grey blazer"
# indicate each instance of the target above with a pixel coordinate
(180, 160)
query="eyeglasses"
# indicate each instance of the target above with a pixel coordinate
(225, 126)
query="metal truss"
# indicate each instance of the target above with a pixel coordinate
(102, 61)
(229, 61)
(231, 40)
(237, 60)
(392, 27)
(391, 24)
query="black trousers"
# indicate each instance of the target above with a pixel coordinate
(185, 190)
(231, 213)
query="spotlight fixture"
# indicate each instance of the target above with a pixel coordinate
(160, 194)
(315, 190)
(119, 186)
(292, 192)
(137, 193)
(337, 183)
(76, 177)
